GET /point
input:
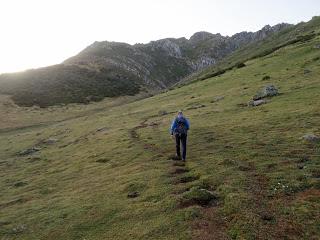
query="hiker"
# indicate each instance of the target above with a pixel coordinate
(179, 129)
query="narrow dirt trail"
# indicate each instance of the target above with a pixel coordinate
(134, 135)
(211, 225)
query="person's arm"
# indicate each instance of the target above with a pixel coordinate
(173, 126)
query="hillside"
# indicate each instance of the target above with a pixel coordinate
(108, 174)
(299, 33)
(109, 69)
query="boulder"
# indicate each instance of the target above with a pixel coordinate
(267, 91)
(311, 138)
(317, 46)
(256, 103)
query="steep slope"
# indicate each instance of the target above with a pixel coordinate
(108, 175)
(108, 69)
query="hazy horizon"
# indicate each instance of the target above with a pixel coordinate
(40, 33)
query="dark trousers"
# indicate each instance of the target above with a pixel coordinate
(181, 139)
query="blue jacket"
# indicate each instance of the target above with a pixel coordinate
(174, 125)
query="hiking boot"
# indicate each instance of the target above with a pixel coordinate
(176, 157)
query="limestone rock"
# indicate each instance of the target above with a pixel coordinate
(267, 91)
(311, 138)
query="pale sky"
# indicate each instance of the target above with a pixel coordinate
(37, 33)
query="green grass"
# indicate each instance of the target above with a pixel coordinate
(252, 158)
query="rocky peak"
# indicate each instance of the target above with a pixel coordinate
(105, 45)
(201, 36)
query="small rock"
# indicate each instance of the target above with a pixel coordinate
(217, 99)
(267, 91)
(306, 71)
(300, 166)
(102, 129)
(133, 194)
(256, 103)
(20, 184)
(19, 229)
(103, 160)
(162, 113)
(50, 141)
(311, 138)
(266, 78)
(317, 46)
(29, 151)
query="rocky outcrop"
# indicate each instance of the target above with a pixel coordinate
(171, 48)
(267, 91)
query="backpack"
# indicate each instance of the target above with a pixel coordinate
(181, 124)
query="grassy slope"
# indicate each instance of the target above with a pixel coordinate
(266, 177)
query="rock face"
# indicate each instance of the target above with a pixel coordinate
(108, 69)
(267, 91)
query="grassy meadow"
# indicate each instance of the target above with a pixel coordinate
(265, 177)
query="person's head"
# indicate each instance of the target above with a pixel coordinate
(180, 114)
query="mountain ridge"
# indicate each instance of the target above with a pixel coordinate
(109, 69)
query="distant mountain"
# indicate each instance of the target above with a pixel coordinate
(108, 69)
